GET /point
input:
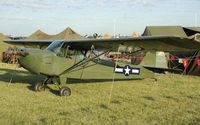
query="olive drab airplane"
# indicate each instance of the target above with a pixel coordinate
(82, 58)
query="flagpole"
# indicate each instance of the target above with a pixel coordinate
(116, 63)
(113, 79)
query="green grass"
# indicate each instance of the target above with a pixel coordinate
(172, 100)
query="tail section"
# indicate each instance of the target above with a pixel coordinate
(155, 59)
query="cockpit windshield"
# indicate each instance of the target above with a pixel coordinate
(55, 46)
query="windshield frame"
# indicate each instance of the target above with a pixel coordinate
(55, 46)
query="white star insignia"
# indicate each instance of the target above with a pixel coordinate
(127, 70)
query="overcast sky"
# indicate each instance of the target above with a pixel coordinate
(23, 17)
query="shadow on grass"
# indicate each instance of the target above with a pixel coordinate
(26, 77)
(55, 92)
(171, 97)
(149, 98)
(23, 77)
(79, 81)
(18, 76)
(104, 106)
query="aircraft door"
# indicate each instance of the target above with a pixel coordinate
(47, 64)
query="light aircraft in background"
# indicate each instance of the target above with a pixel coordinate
(80, 58)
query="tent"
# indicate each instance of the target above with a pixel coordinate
(39, 35)
(193, 67)
(164, 31)
(3, 45)
(3, 37)
(67, 34)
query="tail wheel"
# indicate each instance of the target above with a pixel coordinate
(39, 87)
(65, 91)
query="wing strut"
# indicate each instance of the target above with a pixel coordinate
(82, 62)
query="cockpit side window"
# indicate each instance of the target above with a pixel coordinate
(71, 53)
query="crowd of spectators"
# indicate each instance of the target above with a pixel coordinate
(9, 56)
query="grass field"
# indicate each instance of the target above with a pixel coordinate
(172, 100)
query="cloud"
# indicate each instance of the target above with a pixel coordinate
(16, 18)
(26, 4)
(107, 3)
(75, 4)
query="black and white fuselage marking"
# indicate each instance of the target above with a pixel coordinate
(127, 70)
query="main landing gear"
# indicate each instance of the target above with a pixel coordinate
(39, 87)
(64, 91)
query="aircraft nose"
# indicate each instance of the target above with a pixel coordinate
(22, 52)
(29, 61)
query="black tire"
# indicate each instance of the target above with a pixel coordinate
(65, 91)
(39, 87)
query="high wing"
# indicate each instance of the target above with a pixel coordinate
(149, 43)
(30, 43)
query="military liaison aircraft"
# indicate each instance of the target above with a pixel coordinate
(82, 58)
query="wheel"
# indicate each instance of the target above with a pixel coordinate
(39, 87)
(65, 91)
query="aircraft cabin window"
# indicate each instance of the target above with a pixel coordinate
(71, 53)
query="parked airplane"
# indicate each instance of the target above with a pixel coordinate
(79, 58)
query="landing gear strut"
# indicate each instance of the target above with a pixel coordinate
(64, 91)
(41, 86)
